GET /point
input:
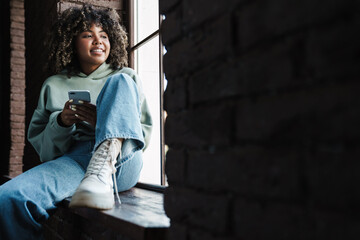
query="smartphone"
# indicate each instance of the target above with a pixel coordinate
(77, 95)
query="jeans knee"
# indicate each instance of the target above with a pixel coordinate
(9, 197)
(122, 82)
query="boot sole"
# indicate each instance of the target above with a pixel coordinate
(91, 200)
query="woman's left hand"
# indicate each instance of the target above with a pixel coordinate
(85, 111)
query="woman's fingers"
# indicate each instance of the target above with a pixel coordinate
(68, 116)
(85, 112)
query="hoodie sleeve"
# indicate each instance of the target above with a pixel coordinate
(49, 139)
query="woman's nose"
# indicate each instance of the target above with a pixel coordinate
(97, 40)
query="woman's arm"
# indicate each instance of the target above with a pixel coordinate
(49, 139)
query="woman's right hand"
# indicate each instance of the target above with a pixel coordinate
(67, 116)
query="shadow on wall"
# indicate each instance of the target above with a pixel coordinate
(4, 87)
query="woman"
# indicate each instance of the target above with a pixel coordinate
(82, 145)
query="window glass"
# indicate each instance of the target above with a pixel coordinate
(147, 66)
(146, 18)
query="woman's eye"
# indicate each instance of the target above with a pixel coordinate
(104, 36)
(87, 36)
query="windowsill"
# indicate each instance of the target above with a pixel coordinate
(141, 215)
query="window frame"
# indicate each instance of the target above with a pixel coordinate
(130, 8)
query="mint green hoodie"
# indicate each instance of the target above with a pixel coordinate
(51, 140)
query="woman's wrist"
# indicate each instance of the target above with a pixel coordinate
(60, 122)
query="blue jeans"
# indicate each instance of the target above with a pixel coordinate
(27, 200)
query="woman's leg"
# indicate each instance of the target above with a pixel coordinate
(26, 200)
(119, 112)
(128, 174)
(118, 117)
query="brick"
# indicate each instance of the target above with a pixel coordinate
(19, 61)
(18, 18)
(17, 46)
(17, 75)
(17, 32)
(105, 3)
(277, 67)
(301, 117)
(332, 50)
(18, 108)
(199, 12)
(175, 56)
(17, 146)
(215, 82)
(15, 164)
(17, 4)
(17, 118)
(166, 5)
(17, 25)
(17, 139)
(262, 220)
(16, 39)
(18, 132)
(17, 90)
(16, 154)
(176, 89)
(333, 225)
(198, 209)
(262, 20)
(171, 27)
(13, 174)
(17, 103)
(333, 176)
(17, 68)
(17, 97)
(15, 159)
(323, 11)
(15, 167)
(175, 166)
(202, 235)
(177, 231)
(251, 171)
(17, 12)
(62, 6)
(200, 127)
(199, 48)
(17, 125)
(272, 21)
(16, 83)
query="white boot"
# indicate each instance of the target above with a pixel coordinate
(96, 188)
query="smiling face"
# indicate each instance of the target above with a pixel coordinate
(92, 48)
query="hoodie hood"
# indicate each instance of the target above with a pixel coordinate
(102, 71)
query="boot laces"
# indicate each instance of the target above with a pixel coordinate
(97, 166)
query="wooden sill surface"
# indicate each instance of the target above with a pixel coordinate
(140, 215)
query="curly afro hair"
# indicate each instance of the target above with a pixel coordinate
(73, 21)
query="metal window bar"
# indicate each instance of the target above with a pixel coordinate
(130, 4)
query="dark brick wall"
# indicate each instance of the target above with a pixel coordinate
(263, 112)
(39, 15)
(17, 87)
(66, 225)
(5, 87)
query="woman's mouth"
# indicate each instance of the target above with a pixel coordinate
(97, 51)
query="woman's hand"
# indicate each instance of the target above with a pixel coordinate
(74, 113)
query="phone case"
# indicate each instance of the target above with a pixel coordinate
(77, 95)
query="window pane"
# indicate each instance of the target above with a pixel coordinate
(147, 67)
(146, 19)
